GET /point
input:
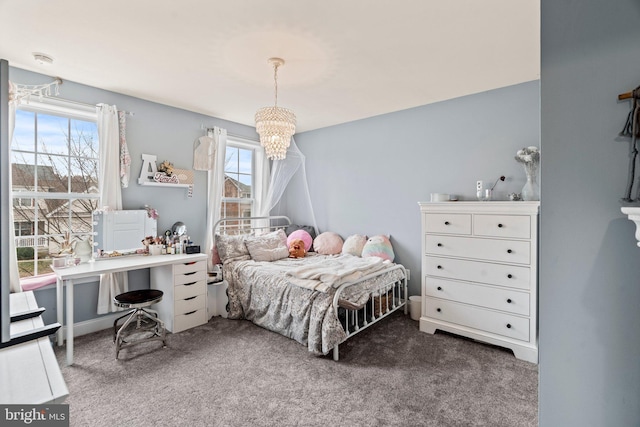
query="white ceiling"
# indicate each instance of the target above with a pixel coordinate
(345, 59)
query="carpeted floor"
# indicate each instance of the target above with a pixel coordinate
(233, 373)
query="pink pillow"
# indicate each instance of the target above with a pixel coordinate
(302, 235)
(215, 256)
(379, 246)
(328, 243)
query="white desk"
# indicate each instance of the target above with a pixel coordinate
(29, 371)
(66, 276)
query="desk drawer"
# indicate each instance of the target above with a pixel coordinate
(191, 289)
(479, 318)
(189, 320)
(190, 267)
(194, 276)
(189, 304)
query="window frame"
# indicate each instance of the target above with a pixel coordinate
(70, 111)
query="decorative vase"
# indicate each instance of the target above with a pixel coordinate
(531, 189)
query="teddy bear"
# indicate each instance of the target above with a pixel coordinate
(296, 249)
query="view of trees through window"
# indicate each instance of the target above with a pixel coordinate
(55, 186)
(238, 198)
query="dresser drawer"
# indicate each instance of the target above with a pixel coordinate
(194, 276)
(189, 304)
(447, 223)
(191, 289)
(515, 226)
(190, 267)
(189, 320)
(508, 300)
(513, 276)
(516, 251)
(479, 318)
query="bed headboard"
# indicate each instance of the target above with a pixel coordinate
(254, 225)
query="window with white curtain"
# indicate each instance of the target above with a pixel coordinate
(54, 167)
(238, 200)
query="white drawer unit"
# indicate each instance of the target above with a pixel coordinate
(479, 272)
(184, 303)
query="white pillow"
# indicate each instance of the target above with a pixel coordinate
(354, 244)
(268, 247)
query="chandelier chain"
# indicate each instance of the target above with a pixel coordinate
(275, 81)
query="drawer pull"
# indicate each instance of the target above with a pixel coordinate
(439, 245)
(439, 267)
(500, 226)
(191, 312)
(509, 276)
(439, 288)
(508, 325)
(447, 223)
(509, 251)
(189, 284)
(189, 274)
(189, 263)
(509, 300)
(438, 310)
(190, 298)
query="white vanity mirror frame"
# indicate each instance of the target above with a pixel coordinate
(121, 230)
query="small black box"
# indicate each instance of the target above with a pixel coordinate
(193, 249)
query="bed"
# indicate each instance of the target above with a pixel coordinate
(319, 300)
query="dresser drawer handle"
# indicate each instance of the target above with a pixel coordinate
(509, 251)
(439, 245)
(189, 274)
(439, 288)
(509, 276)
(439, 267)
(190, 298)
(189, 284)
(447, 223)
(508, 325)
(438, 310)
(509, 301)
(500, 226)
(191, 312)
(189, 263)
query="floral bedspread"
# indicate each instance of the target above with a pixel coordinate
(262, 293)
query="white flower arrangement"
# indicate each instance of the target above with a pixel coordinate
(529, 157)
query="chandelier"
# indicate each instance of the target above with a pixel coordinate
(275, 125)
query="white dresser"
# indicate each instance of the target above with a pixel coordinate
(184, 303)
(479, 272)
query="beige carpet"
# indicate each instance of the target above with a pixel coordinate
(233, 373)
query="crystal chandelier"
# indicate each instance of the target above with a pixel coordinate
(275, 125)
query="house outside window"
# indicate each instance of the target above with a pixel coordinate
(54, 171)
(238, 200)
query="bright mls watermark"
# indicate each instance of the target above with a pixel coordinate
(54, 415)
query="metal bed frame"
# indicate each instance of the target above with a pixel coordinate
(353, 321)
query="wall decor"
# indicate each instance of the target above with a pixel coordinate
(164, 175)
(631, 130)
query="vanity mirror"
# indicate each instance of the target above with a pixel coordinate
(121, 231)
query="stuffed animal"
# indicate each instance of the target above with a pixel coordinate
(296, 249)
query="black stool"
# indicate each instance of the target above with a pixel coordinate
(139, 301)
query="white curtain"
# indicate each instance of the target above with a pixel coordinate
(215, 189)
(110, 195)
(14, 274)
(282, 172)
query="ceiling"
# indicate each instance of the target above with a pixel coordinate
(345, 59)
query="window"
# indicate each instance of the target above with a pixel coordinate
(238, 199)
(54, 170)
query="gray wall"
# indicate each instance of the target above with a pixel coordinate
(167, 132)
(589, 261)
(368, 176)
